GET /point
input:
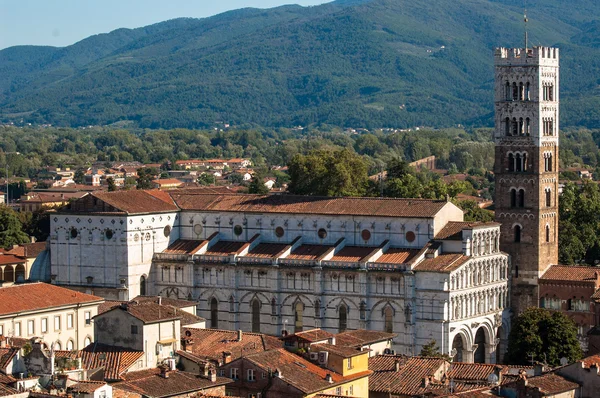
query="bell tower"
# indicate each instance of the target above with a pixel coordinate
(526, 165)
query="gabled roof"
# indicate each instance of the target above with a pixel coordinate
(342, 351)
(210, 343)
(7, 259)
(38, 296)
(312, 335)
(86, 387)
(571, 273)
(419, 208)
(148, 312)
(184, 246)
(7, 391)
(6, 356)
(358, 338)
(453, 230)
(114, 360)
(298, 372)
(408, 380)
(150, 383)
(442, 263)
(548, 384)
(133, 202)
(28, 250)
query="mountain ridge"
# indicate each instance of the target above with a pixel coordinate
(353, 63)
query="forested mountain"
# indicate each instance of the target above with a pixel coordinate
(355, 63)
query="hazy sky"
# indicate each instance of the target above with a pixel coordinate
(64, 22)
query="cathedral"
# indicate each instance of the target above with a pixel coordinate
(279, 264)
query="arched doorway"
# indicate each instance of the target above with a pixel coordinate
(458, 345)
(20, 273)
(9, 274)
(214, 313)
(501, 348)
(255, 316)
(479, 354)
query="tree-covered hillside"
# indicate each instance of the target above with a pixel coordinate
(377, 63)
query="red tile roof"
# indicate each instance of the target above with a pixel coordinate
(149, 312)
(139, 201)
(28, 250)
(267, 250)
(150, 383)
(6, 356)
(168, 181)
(38, 296)
(7, 259)
(309, 205)
(442, 263)
(114, 360)
(357, 338)
(591, 360)
(397, 256)
(352, 253)
(298, 372)
(311, 335)
(7, 391)
(571, 273)
(550, 384)
(342, 351)
(453, 230)
(308, 252)
(86, 387)
(210, 343)
(183, 246)
(224, 247)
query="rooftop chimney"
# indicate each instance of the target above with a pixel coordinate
(240, 333)
(397, 365)
(425, 382)
(538, 369)
(226, 357)
(2, 341)
(278, 373)
(159, 300)
(328, 378)
(164, 372)
(212, 375)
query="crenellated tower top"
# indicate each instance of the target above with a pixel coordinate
(542, 56)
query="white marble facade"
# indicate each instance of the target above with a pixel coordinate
(419, 294)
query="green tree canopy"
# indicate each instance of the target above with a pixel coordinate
(11, 229)
(542, 335)
(326, 172)
(257, 186)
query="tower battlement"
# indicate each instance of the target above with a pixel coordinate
(548, 56)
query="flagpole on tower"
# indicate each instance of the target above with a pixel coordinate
(525, 20)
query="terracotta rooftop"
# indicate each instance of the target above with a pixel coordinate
(267, 250)
(357, 338)
(6, 356)
(408, 380)
(114, 360)
(352, 254)
(110, 304)
(453, 230)
(398, 256)
(342, 351)
(38, 296)
(308, 252)
(7, 259)
(442, 263)
(86, 387)
(549, 384)
(210, 343)
(7, 391)
(472, 371)
(149, 383)
(571, 273)
(298, 372)
(308, 205)
(224, 248)
(591, 360)
(167, 181)
(135, 202)
(151, 312)
(183, 246)
(28, 250)
(311, 336)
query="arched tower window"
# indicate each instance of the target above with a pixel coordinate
(517, 233)
(547, 233)
(273, 306)
(527, 92)
(515, 92)
(521, 91)
(318, 309)
(521, 127)
(388, 315)
(142, 285)
(214, 313)
(342, 318)
(524, 161)
(515, 126)
(513, 198)
(363, 311)
(298, 316)
(507, 91)
(511, 162)
(519, 162)
(521, 198)
(255, 316)
(548, 197)
(507, 127)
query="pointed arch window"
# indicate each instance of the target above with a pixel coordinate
(255, 316)
(342, 318)
(214, 313)
(298, 316)
(388, 315)
(142, 285)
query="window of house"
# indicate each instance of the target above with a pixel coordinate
(70, 345)
(350, 363)
(57, 322)
(18, 329)
(351, 390)
(222, 372)
(44, 325)
(1, 330)
(69, 321)
(251, 375)
(338, 391)
(233, 373)
(134, 329)
(88, 317)
(30, 328)
(87, 341)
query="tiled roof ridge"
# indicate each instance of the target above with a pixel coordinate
(244, 333)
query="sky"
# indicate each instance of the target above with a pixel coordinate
(64, 22)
